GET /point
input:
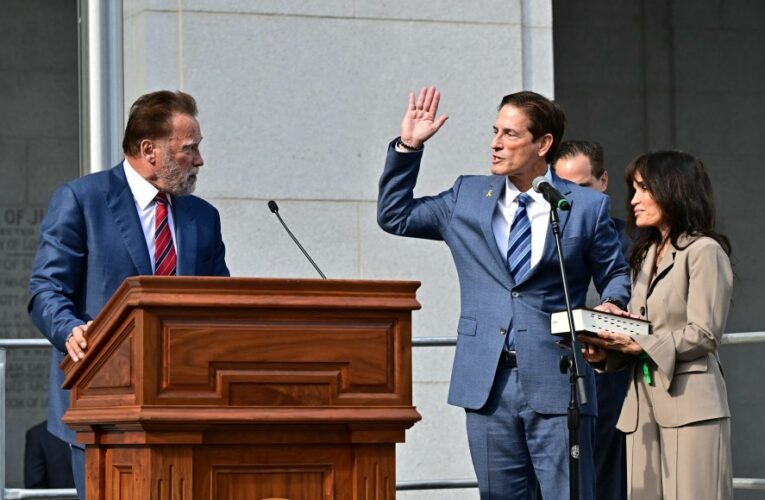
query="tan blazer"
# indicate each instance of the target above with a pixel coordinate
(687, 304)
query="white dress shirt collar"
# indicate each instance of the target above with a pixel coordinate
(512, 192)
(144, 191)
(143, 197)
(538, 212)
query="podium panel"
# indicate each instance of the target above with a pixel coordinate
(229, 388)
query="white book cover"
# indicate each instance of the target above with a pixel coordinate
(589, 321)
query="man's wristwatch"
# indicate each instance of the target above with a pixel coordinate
(616, 302)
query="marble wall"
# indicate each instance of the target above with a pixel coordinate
(298, 101)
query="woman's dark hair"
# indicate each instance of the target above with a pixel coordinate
(681, 188)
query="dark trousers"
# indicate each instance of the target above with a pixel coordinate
(610, 454)
(78, 468)
(511, 446)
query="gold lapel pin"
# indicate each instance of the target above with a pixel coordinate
(489, 193)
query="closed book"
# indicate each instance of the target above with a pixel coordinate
(589, 321)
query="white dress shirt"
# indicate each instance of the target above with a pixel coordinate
(143, 195)
(538, 211)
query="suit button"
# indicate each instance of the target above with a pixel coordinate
(642, 311)
(516, 295)
(503, 331)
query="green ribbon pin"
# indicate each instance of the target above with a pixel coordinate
(644, 357)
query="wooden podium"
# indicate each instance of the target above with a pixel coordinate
(236, 388)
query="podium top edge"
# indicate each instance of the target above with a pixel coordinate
(237, 281)
(291, 292)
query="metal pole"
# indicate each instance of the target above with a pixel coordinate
(58, 494)
(12, 493)
(101, 83)
(2, 423)
(443, 484)
(23, 343)
(739, 483)
(728, 338)
(743, 338)
(748, 483)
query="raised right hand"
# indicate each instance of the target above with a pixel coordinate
(420, 122)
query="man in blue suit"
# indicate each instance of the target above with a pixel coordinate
(138, 218)
(506, 365)
(581, 162)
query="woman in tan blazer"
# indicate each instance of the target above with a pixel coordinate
(676, 414)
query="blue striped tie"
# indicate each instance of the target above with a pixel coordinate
(518, 252)
(519, 242)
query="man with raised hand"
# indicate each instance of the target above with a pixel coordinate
(506, 366)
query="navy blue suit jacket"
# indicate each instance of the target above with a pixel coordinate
(90, 241)
(490, 299)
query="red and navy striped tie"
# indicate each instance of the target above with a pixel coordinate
(164, 250)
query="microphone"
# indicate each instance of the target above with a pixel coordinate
(552, 195)
(275, 209)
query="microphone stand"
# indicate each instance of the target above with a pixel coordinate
(572, 364)
(275, 210)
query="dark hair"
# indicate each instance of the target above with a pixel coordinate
(681, 188)
(592, 150)
(545, 117)
(150, 117)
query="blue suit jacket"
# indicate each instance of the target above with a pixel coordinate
(490, 299)
(91, 240)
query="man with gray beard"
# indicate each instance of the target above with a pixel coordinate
(137, 218)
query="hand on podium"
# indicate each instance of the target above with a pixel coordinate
(76, 343)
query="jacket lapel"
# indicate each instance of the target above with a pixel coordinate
(488, 204)
(642, 282)
(666, 264)
(121, 204)
(563, 215)
(669, 259)
(550, 252)
(186, 232)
